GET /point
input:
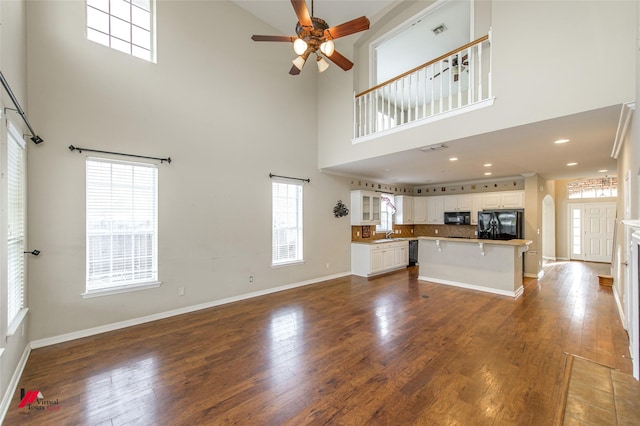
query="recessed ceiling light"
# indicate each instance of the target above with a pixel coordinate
(603, 171)
(453, 159)
(488, 174)
(559, 141)
(572, 164)
(488, 165)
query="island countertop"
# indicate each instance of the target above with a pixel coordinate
(515, 242)
(494, 266)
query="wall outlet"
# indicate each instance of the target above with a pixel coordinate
(327, 265)
(436, 231)
(357, 233)
(250, 278)
(412, 231)
(180, 291)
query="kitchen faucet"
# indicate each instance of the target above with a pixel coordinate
(388, 234)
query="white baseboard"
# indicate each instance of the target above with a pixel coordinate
(514, 294)
(616, 297)
(162, 315)
(13, 384)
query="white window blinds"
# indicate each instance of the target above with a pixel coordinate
(15, 224)
(122, 223)
(287, 223)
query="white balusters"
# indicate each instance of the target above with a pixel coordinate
(434, 88)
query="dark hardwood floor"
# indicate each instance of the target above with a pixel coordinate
(390, 350)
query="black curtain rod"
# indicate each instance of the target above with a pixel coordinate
(34, 137)
(162, 160)
(271, 175)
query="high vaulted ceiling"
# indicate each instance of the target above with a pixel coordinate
(592, 134)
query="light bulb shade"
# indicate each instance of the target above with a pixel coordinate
(322, 65)
(299, 62)
(327, 47)
(299, 46)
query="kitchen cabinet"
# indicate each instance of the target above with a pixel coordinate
(476, 206)
(404, 214)
(365, 208)
(369, 259)
(435, 210)
(420, 210)
(457, 203)
(503, 200)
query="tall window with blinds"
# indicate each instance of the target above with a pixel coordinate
(287, 223)
(122, 224)
(16, 184)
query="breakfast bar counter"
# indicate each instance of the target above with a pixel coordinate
(494, 266)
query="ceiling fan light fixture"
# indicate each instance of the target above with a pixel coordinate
(327, 47)
(299, 62)
(299, 46)
(322, 64)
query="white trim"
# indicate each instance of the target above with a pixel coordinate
(514, 294)
(616, 297)
(13, 384)
(120, 289)
(17, 321)
(440, 116)
(167, 314)
(623, 127)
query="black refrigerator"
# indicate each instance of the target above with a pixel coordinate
(500, 224)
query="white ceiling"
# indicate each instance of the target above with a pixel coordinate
(512, 152)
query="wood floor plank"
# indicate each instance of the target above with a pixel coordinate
(357, 351)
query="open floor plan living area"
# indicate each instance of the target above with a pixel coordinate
(291, 212)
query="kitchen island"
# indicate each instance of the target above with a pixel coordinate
(494, 266)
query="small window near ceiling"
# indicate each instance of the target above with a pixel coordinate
(593, 188)
(124, 25)
(287, 223)
(122, 226)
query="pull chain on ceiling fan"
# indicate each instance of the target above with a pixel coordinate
(315, 36)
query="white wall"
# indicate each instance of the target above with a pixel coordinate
(223, 108)
(550, 59)
(13, 65)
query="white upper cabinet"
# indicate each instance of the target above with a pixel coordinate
(503, 200)
(365, 208)
(404, 214)
(420, 210)
(435, 210)
(476, 206)
(457, 203)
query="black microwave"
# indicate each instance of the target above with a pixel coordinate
(457, 218)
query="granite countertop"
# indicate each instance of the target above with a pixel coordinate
(477, 240)
(385, 240)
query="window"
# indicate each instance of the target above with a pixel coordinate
(122, 225)
(15, 226)
(287, 223)
(594, 188)
(124, 25)
(387, 209)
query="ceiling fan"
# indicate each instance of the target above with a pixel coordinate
(313, 35)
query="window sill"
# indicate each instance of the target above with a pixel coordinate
(17, 321)
(121, 289)
(292, 263)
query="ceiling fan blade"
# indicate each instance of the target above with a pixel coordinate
(340, 61)
(273, 38)
(351, 27)
(300, 7)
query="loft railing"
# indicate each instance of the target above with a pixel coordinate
(456, 80)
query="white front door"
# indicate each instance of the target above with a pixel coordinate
(592, 226)
(599, 220)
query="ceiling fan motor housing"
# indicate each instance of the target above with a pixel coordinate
(313, 35)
